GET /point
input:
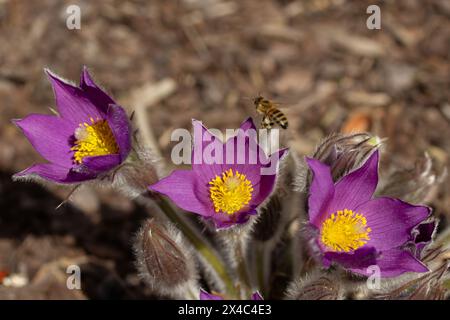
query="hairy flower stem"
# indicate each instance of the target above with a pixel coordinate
(235, 244)
(242, 269)
(260, 267)
(203, 248)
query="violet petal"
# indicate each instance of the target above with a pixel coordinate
(391, 221)
(102, 163)
(223, 220)
(247, 124)
(120, 126)
(56, 173)
(257, 296)
(263, 189)
(321, 191)
(357, 261)
(395, 262)
(50, 136)
(179, 187)
(73, 104)
(356, 187)
(95, 94)
(209, 296)
(422, 236)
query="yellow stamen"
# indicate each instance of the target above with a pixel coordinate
(230, 192)
(345, 231)
(95, 139)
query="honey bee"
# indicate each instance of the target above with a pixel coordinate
(270, 112)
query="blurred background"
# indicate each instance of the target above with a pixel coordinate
(180, 59)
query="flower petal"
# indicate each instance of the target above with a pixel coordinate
(102, 163)
(202, 138)
(95, 94)
(56, 173)
(210, 167)
(356, 187)
(391, 221)
(244, 153)
(267, 181)
(257, 296)
(120, 126)
(248, 124)
(209, 296)
(422, 236)
(202, 164)
(179, 187)
(425, 232)
(223, 220)
(50, 136)
(357, 261)
(279, 155)
(73, 104)
(391, 263)
(262, 191)
(395, 262)
(246, 147)
(321, 191)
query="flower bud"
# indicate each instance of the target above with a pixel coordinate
(316, 286)
(344, 153)
(163, 259)
(415, 185)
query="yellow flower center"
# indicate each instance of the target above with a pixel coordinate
(95, 139)
(345, 231)
(230, 192)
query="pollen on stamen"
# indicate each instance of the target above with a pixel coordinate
(81, 133)
(345, 231)
(230, 192)
(95, 139)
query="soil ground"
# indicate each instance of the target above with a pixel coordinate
(317, 57)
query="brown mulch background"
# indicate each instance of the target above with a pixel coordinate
(316, 57)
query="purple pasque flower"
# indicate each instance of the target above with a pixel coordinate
(228, 181)
(356, 230)
(90, 136)
(210, 296)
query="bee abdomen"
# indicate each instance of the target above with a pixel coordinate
(279, 118)
(283, 124)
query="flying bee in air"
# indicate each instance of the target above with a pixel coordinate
(270, 112)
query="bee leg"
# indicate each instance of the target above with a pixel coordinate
(265, 123)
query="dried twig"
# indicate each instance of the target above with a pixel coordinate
(145, 97)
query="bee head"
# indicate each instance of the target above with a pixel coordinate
(257, 100)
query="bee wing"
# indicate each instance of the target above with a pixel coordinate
(280, 104)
